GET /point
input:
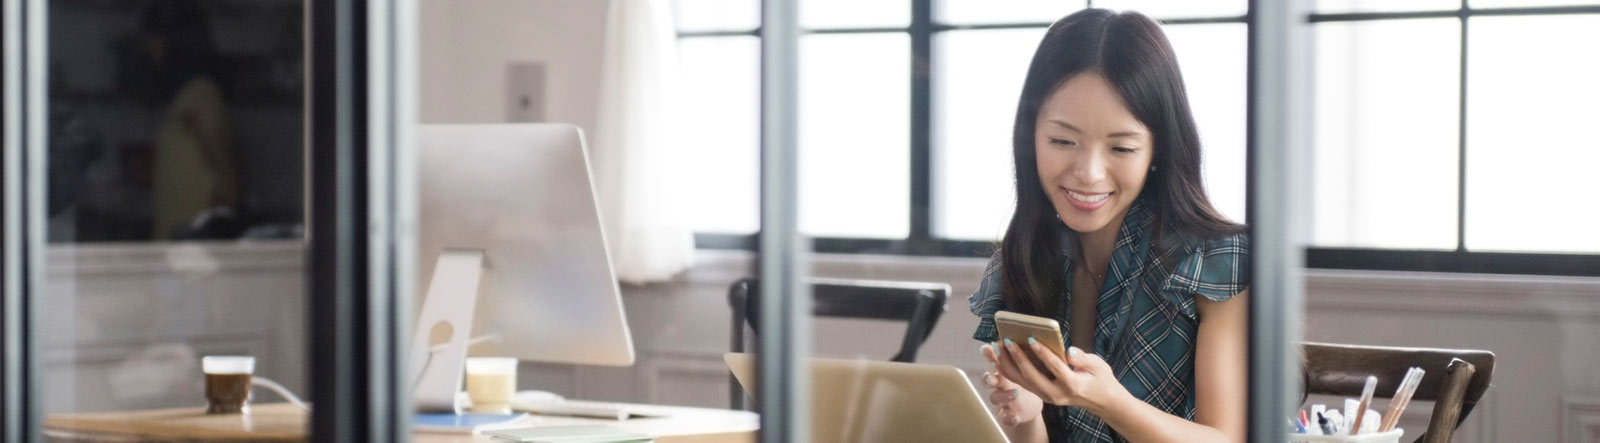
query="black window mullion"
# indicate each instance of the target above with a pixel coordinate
(351, 309)
(921, 120)
(692, 34)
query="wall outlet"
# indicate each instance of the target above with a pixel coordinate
(525, 92)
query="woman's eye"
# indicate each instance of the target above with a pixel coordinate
(1061, 142)
(1122, 150)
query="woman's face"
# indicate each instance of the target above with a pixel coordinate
(1093, 155)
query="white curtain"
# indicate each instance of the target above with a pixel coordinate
(637, 143)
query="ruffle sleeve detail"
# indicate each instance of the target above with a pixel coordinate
(1216, 269)
(986, 301)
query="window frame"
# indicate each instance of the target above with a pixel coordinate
(1460, 260)
(921, 242)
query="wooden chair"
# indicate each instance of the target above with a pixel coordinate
(919, 304)
(1455, 380)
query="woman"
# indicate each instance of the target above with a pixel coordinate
(194, 166)
(1113, 236)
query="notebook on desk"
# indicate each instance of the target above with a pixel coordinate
(569, 434)
(873, 401)
(467, 423)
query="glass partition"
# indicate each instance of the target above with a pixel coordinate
(173, 215)
(891, 229)
(1430, 126)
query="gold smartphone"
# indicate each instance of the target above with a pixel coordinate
(1019, 327)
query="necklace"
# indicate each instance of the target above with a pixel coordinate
(1099, 279)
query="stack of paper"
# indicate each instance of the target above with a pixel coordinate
(569, 434)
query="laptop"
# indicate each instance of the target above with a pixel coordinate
(873, 401)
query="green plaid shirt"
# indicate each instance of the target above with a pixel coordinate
(1146, 325)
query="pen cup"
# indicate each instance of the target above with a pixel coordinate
(1390, 436)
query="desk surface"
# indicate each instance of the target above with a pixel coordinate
(280, 422)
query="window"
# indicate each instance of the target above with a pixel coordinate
(1385, 106)
(1421, 138)
(906, 121)
(1527, 135)
(1449, 136)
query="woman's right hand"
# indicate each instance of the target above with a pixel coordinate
(1014, 406)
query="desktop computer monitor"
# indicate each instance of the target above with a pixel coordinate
(510, 242)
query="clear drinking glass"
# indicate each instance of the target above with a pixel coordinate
(491, 382)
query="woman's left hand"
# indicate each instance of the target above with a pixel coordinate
(1083, 381)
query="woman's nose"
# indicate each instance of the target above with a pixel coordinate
(1089, 169)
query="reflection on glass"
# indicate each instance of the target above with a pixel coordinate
(1114, 248)
(974, 106)
(1178, 8)
(721, 74)
(173, 122)
(973, 12)
(1386, 134)
(855, 135)
(1525, 134)
(817, 14)
(175, 132)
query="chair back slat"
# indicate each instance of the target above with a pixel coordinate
(1456, 378)
(919, 304)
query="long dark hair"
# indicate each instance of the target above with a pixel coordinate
(184, 30)
(1132, 53)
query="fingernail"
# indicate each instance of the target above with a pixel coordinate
(988, 379)
(1009, 343)
(1016, 392)
(1032, 341)
(1073, 351)
(980, 348)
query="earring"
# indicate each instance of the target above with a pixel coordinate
(1152, 168)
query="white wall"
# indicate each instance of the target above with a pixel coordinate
(465, 47)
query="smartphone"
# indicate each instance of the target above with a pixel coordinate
(1019, 327)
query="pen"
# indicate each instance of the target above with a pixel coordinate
(1366, 399)
(1408, 388)
(1396, 401)
(1327, 425)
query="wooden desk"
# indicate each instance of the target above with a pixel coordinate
(282, 423)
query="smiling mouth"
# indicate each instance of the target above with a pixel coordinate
(1089, 198)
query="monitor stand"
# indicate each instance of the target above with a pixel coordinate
(439, 345)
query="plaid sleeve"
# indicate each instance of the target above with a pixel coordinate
(986, 301)
(1217, 269)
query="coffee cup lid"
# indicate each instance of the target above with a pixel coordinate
(228, 364)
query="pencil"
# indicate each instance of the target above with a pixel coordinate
(1366, 400)
(1402, 398)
